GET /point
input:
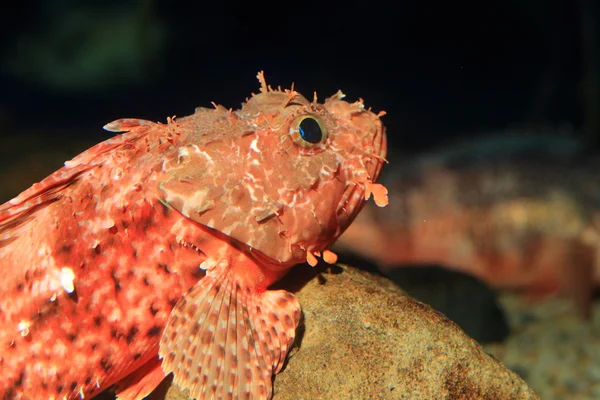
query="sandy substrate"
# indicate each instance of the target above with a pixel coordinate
(551, 348)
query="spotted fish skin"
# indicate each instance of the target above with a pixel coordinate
(151, 252)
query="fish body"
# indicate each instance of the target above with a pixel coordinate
(516, 211)
(152, 252)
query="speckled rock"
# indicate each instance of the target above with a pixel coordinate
(362, 338)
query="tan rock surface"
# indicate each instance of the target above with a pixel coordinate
(361, 338)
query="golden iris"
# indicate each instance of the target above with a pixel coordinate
(308, 131)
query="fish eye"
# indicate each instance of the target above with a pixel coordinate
(308, 131)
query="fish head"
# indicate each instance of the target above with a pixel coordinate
(291, 179)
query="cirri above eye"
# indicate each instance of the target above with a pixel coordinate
(308, 131)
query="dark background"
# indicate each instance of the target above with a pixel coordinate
(440, 69)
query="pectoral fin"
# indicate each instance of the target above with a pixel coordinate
(226, 340)
(142, 382)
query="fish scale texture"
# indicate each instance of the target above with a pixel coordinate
(163, 241)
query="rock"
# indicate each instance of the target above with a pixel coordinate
(466, 300)
(362, 338)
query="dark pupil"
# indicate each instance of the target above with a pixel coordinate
(310, 130)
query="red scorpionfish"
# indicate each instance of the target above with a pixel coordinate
(152, 252)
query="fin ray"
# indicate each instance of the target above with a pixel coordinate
(225, 340)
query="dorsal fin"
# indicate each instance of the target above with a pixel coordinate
(18, 210)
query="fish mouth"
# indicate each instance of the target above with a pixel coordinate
(353, 200)
(357, 192)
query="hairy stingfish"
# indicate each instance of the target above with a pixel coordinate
(152, 252)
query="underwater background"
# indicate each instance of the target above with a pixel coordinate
(444, 73)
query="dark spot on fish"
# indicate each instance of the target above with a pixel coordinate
(147, 223)
(44, 385)
(19, 380)
(114, 333)
(153, 309)
(170, 358)
(97, 249)
(124, 223)
(105, 364)
(134, 253)
(165, 210)
(282, 302)
(71, 337)
(268, 336)
(73, 295)
(28, 276)
(109, 241)
(198, 273)
(59, 388)
(94, 346)
(154, 331)
(195, 329)
(112, 229)
(288, 321)
(262, 391)
(66, 249)
(10, 393)
(20, 287)
(146, 281)
(49, 308)
(137, 355)
(164, 267)
(173, 302)
(115, 280)
(130, 337)
(97, 321)
(191, 310)
(258, 309)
(88, 380)
(73, 386)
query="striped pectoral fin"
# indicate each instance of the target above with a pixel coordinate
(141, 382)
(225, 340)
